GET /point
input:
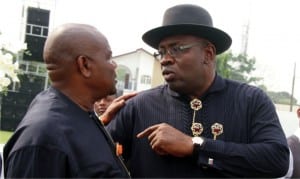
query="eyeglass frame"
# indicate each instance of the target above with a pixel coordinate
(180, 50)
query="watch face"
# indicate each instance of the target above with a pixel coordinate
(197, 140)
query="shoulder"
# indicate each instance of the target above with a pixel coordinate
(153, 93)
(35, 133)
(35, 136)
(242, 87)
(245, 90)
(154, 96)
(44, 122)
(251, 96)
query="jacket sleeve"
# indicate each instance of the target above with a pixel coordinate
(36, 162)
(266, 152)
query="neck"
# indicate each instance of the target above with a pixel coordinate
(82, 99)
(203, 88)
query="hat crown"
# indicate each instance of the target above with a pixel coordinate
(187, 14)
(188, 19)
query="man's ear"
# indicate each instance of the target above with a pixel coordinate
(210, 53)
(84, 66)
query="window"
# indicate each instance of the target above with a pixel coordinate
(145, 79)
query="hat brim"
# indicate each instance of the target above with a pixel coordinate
(219, 38)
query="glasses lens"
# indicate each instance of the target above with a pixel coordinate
(175, 51)
(158, 55)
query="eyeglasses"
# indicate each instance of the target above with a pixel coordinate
(174, 51)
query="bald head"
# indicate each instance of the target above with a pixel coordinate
(78, 60)
(67, 42)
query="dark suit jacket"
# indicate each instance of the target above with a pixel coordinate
(294, 144)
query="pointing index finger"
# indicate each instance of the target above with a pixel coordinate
(147, 131)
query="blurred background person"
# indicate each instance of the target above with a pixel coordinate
(102, 104)
(113, 101)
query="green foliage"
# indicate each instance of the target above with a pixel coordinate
(281, 97)
(223, 68)
(4, 136)
(263, 87)
(237, 67)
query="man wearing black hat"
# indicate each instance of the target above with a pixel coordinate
(198, 124)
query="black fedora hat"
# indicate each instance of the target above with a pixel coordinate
(187, 19)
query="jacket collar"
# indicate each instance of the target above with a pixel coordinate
(218, 85)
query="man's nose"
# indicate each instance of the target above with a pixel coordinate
(167, 59)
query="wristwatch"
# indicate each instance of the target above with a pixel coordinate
(198, 141)
(198, 144)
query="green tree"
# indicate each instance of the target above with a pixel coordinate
(240, 67)
(281, 97)
(263, 87)
(237, 67)
(223, 67)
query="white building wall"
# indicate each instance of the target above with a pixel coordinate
(146, 65)
(130, 61)
(139, 63)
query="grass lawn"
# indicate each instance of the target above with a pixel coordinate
(4, 136)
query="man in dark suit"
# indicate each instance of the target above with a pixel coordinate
(198, 124)
(294, 144)
(60, 136)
